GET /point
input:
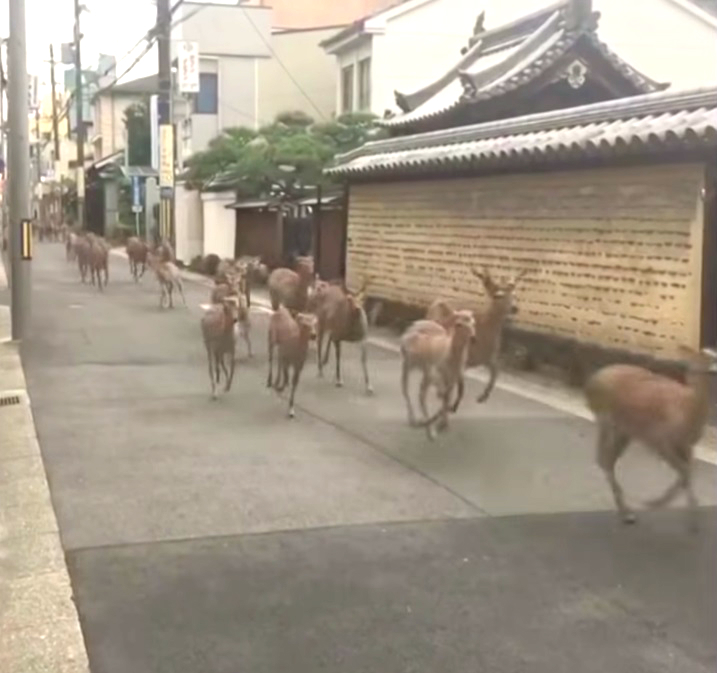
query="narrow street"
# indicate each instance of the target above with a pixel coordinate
(222, 537)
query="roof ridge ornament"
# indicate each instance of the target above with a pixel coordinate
(478, 30)
(579, 15)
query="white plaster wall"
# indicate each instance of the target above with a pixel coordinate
(189, 224)
(421, 45)
(219, 224)
(363, 49)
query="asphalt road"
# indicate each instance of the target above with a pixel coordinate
(222, 537)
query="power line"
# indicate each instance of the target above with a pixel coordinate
(151, 37)
(150, 43)
(188, 16)
(281, 63)
(236, 110)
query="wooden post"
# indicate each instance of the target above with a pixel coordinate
(317, 233)
(344, 231)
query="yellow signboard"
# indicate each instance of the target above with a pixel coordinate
(26, 239)
(166, 155)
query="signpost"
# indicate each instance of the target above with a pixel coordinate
(136, 201)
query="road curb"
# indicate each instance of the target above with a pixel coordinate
(44, 635)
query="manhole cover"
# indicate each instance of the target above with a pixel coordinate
(9, 400)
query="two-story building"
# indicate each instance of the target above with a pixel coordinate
(233, 40)
(108, 111)
(399, 48)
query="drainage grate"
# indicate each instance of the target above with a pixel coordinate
(9, 401)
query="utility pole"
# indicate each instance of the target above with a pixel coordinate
(56, 135)
(79, 105)
(166, 128)
(19, 173)
(38, 152)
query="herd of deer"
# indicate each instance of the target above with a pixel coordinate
(91, 252)
(629, 402)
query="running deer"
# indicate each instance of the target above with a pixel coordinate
(254, 268)
(289, 336)
(82, 252)
(98, 260)
(489, 323)
(341, 317)
(165, 251)
(440, 354)
(291, 288)
(233, 287)
(168, 278)
(218, 324)
(633, 403)
(137, 250)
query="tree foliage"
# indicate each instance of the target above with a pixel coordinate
(285, 158)
(139, 134)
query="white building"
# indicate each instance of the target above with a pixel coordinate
(414, 42)
(398, 48)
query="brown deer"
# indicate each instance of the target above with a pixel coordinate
(633, 403)
(168, 277)
(137, 250)
(233, 287)
(98, 261)
(254, 268)
(490, 321)
(232, 274)
(217, 326)
(165, 251)
(289, 336)
(83, 248)
(291, 288)
(440, 354)
(341, 317)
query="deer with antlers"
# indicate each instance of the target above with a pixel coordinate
(484, 350)
(341, 318)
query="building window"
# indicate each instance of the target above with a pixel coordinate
(207, 100)
(347, 88)
(364, 84)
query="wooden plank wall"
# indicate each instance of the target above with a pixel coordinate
(614, 254)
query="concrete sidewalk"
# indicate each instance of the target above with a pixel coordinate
(533, 387)
(39, 627)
